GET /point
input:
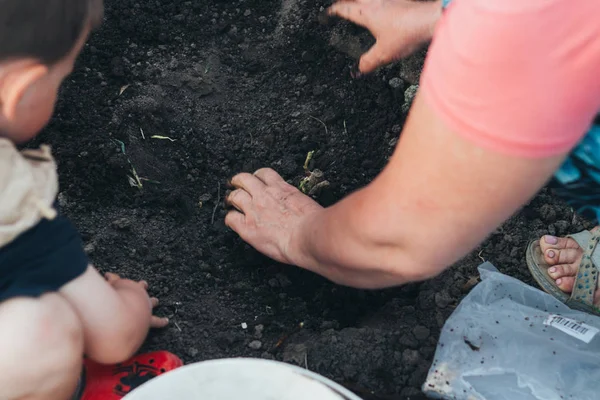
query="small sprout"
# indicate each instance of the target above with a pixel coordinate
(135, 181)
(123, 89)
(309, 157)
(121, 144)
(162, 138)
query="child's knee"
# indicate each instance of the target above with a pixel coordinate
(46, 337)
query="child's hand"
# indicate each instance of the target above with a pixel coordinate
(155, 322)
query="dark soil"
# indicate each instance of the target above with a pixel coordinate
(240, 85)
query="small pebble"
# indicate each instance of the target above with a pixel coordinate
(396, 83)
(421, 332)
(258, 331)
(244, 325)
(255, 345)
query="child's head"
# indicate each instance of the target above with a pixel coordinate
(39, 42)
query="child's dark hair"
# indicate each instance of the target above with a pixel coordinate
(46, 30)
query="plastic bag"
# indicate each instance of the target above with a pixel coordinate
(509, 341)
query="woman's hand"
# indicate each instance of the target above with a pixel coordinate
(268, 212)
(400, 26)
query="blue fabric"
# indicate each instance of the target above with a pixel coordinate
(578, 179)
(446, 3)
(41, 260)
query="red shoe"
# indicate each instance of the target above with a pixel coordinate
(112, 382)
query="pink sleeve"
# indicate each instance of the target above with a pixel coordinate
(521, 77)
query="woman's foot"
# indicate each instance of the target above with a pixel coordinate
(564, 256)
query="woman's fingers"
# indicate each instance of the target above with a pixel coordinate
(352, 11)
(239, 199)
(248, 182)
(235, 220)
(269, 177)
(373, 59)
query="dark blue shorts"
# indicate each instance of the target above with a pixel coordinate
(41, 260)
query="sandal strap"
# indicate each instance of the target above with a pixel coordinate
(586, 281)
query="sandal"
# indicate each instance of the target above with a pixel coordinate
(113, 382)
(586, 282)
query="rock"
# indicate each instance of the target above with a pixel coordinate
(192, 352)
(410, 357)
(255, 345)
(62, 200)
(426, 300)
(294, 354)
(247, 13)
(421, 332)
(396, 83)
(562, 227)
(443, 299)
(89, 248)
(122, 224)
(548, 213)
(408, 341)
(301, 80)
(205, 267)
(258, 331)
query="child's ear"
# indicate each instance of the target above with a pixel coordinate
(15, 84)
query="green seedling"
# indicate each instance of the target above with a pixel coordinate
(309, 158)
(162, 138)
(134, 179)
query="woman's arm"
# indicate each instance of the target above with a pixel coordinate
(438, 198)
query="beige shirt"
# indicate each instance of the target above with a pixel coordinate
(28, 189)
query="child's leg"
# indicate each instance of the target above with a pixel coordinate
(41, 348)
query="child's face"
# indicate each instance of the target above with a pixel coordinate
(28, 92)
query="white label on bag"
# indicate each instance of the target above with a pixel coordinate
(578, 330)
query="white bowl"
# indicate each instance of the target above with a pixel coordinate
(240, 378)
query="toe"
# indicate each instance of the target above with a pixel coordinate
(563, 256)
(566, 284)
(562, 271)
(557, 243)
